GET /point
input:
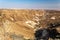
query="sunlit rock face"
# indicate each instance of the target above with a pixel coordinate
(21, 24)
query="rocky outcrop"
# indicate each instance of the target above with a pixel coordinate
(24, 22)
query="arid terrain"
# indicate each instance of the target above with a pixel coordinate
(18, 24)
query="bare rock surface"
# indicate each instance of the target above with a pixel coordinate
(21, 24)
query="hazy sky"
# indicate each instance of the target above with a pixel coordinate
(30, 4)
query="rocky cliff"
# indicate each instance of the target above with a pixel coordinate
(23, 23)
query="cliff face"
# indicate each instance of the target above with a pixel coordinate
(15, 23)
(19, 22)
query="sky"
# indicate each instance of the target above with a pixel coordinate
(30, 4)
